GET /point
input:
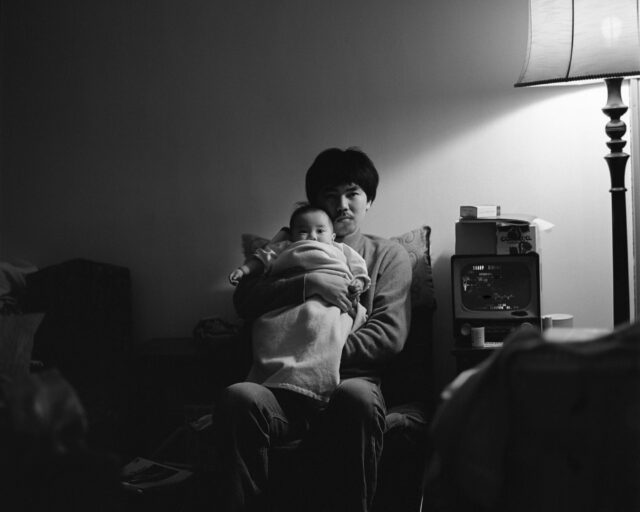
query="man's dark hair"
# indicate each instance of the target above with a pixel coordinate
(334, 167)
(306, 208)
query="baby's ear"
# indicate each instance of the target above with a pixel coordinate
(333, 236)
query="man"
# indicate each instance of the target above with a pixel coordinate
(344, 437)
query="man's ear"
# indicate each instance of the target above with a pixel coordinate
(369, 203)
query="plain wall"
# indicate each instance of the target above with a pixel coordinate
(151, 134)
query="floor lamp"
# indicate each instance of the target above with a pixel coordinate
(582, 40)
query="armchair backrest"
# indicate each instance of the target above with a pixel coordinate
(543, 425)
(574, 427)
(410, 375)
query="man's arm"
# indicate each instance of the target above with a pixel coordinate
(257, 295)
(385, 331)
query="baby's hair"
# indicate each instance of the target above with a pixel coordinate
(303, 207)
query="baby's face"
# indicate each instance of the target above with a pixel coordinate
(312, 226)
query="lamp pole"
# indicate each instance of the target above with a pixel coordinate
(584, 40)
(617, 161)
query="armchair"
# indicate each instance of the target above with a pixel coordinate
(543, 425)
(408, 389)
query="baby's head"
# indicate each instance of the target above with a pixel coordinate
(311, 223)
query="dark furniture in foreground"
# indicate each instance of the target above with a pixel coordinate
(548, 423)
(86, 335)
(467, 357)
(62, 405)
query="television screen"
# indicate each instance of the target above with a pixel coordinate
(499, 292)
(495, 286)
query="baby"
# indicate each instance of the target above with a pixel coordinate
(307, 223)
(299, 347)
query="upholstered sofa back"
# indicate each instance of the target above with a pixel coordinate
(410, 375)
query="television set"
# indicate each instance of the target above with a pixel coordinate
(500, 292)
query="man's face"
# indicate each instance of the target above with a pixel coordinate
(347, 205)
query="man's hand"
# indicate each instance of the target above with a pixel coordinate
(333, 289)
(355, 289)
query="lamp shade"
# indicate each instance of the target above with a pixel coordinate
(581, 40)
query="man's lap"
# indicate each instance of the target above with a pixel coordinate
(284, 414)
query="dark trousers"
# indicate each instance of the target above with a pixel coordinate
(341, 442)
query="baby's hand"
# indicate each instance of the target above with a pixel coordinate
(235, 276)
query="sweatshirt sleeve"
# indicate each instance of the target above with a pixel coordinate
(257, 295)
(385, 331)
(357, 265)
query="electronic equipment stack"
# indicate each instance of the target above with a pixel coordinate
(495, 274)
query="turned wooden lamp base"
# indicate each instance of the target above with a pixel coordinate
(617, 161)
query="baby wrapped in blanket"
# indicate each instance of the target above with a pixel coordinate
(299, 347)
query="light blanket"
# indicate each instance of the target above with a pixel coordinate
(299, 348)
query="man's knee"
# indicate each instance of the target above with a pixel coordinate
(241, 403)
(241, 395)
(359, 398)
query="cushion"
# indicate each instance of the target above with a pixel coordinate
(416, 242)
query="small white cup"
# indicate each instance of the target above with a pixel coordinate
(477, 337)
(561, 320)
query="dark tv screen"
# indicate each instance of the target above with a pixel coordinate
(495, 286)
